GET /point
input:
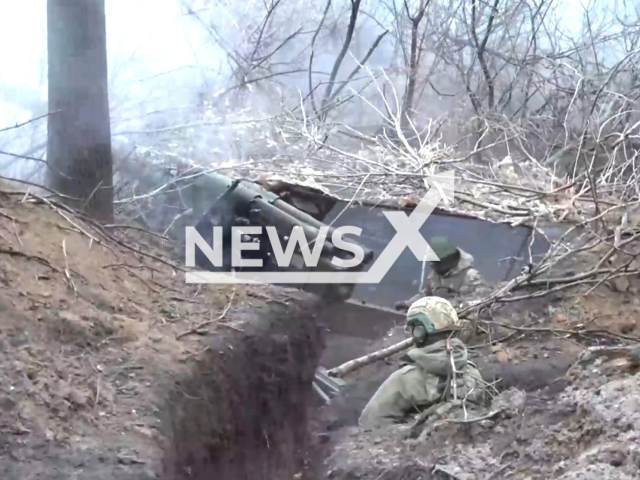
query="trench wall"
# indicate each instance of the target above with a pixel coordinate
(242, 410)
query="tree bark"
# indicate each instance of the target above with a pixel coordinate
(79, 135)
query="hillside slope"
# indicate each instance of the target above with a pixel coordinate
(96, 326)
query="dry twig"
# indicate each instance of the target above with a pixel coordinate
(198, 328)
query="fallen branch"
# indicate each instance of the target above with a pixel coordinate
(66, 267)
(13, 219)
(357, 363)
(446, 470)
(100, 228)
(134, 274)
(586, 331)
(632, 352)
(416, 428)
(55, 207)
(17, 253)
(487, 416)
(140, 229)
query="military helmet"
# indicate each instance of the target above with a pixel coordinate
(435, 313)
(443, 248)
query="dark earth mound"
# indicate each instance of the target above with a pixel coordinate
(242, 411)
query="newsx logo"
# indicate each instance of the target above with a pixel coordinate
(283, 257)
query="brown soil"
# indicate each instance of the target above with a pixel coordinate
(97, 375)
(242, 413)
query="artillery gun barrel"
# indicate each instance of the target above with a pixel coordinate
(309, 220)
(284, 223)
(273, 210)
(245, 196)
(291, 210)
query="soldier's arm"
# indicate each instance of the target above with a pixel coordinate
(473, 281)
(475, 277)
(405, 359)
(428, 290)
(428, 286)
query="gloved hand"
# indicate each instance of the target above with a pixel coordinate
(401, 306)
(406, 360)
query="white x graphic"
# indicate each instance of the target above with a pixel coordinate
(408, 227)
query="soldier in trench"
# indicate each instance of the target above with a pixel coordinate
(427, 376)
(452, 277)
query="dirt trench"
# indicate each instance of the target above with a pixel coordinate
(247, 408)
(242, 411)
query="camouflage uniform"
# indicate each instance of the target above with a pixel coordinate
(452, 277)
(422, 382)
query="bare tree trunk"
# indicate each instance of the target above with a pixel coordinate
(481, 46)
(355, 9)
(414, 63)
(79, 136)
